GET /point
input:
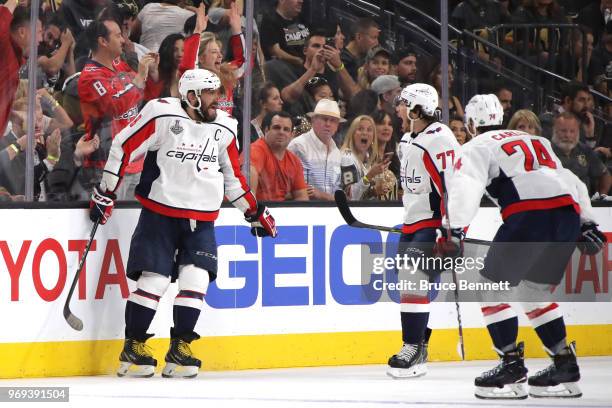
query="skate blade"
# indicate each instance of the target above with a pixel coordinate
(510, 391)
(127, 369)
(403, 373)
(563, 390)
(172, 370)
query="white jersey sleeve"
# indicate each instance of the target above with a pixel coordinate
(580, 193)
(131, 144)
(234, 182)
(467, 182)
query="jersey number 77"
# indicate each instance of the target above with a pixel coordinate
(542, 156)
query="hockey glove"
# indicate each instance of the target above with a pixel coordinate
(591, 239)
(449, 246)
(101, 205)
(262, 222)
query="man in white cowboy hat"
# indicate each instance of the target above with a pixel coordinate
(319, 155)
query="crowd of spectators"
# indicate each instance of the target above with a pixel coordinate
(324, 93)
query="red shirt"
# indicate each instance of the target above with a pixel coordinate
(277, 178)
(12, 60)
(108, 98)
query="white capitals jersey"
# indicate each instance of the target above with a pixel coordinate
(520, 172)
(189, 165)
(423, 158)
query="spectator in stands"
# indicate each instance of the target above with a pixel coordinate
(318, 153)
(14, 46)
(170, 57)
(110, 94)
(577, 157)
(595, 16)
(473, 15)
(56, 52)
(405, 61)
(360, 163)
(377, 63)
(388, 88)
(569, 63)
(320, 60)
(47, 138)
(575, 99)
(283, 33)
(276, 173)
(364, 37)
(504, 94)
(540, 12)
(78, 14)
(220, 17)
(387, 148)
(205, 45)
(526, 121)
(127, 13)
(435, 79)
(157, 20)
(268, 101)
(600, 68)
(456, 125)
(318, 88)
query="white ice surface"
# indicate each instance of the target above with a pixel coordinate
(445, 385)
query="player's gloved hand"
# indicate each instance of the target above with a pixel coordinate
(101, 205)
(591, 239)
(449, 246)
(262, 222)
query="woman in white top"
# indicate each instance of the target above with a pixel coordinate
(156, 21)
(361, 161)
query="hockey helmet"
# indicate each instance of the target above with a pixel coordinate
(197, 80)
(422, 95)
(484, 110)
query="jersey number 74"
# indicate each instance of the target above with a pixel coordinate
(542, 155)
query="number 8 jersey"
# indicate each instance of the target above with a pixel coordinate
(520, 172)
(423, 157)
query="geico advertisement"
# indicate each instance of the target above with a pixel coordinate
(306, 280)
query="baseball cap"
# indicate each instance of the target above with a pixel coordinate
(385, 83)
(402, 53)
(375, 51)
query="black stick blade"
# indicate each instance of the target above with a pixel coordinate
(343, 207)
(73, 321)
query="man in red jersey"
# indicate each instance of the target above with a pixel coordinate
(110, 94)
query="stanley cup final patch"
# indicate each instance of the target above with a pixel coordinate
(176, 128)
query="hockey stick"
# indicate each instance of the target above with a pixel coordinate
(73, 321)
(349, 218)
(453, 273)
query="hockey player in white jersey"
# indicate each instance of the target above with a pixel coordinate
(427, 148)
(191, 162)
(540, 204)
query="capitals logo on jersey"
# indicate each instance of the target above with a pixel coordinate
(195, 153)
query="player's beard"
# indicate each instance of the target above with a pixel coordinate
(208, 113)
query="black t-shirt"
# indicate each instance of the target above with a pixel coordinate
(351, 63)
(288, 34)
(601, 64)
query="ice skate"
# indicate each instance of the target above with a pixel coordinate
(411, 361)
(560, 379)
(506, 380)
(136, 359)
(180, 362)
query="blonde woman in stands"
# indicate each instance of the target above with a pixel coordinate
(526, 121)
(361, 161)
(203, 50)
